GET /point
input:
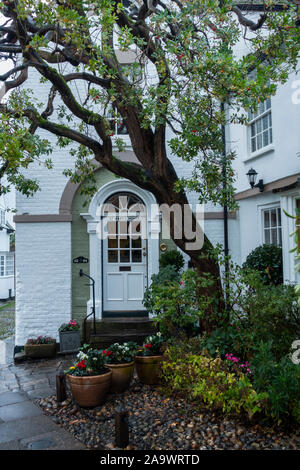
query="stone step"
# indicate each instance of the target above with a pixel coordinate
(115, 325)
(104, 340)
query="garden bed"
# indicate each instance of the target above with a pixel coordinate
(160, 423)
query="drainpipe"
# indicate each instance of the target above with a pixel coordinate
(225, 209)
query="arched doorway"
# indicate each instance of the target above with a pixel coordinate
(122, 260)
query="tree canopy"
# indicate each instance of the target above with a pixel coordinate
(168, 70)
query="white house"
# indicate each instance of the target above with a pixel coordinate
(7, 254)
(54, 228)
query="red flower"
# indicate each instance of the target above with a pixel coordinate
(106, 352)
(81, 364)
(148, 345)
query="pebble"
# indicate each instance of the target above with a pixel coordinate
(157, 422)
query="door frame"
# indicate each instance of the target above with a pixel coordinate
(94, 227)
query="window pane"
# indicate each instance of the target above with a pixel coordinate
(113, 242)
(266, 138)
(258, 126)
(280, 237)
(112, 256)
(267, 236)
(268, 103)
(279, 216)
(273, 218)
(266, 219)
(124, 242)
(253, 145)
(124, 256)
(265, 122)
(136, 256)
(136, 243)
(253, 130)
(259, 141)
(274, 236)
(271, 136)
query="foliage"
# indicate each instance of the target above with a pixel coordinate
(191, 49)
(209, 382)
(280, 380)
(71, 326)
(173, 258)
(174, 304)
(89, 362)
(120, 353)
(267, 259)
(152, 345)
(41, 340)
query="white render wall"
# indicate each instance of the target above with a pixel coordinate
(43, 287)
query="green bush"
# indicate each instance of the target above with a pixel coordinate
(174, 304)
(172, 257)
(267, 260)
(280, 380)
(209, 382)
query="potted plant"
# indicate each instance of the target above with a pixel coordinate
(89, 379)
(69, 337)
(120, 360)
(43, 346)
(148, 359)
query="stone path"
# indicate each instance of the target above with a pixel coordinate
(22, 423)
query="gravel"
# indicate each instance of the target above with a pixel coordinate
(160, 423)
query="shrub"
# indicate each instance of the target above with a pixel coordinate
(209, 382)
(173, 258)
(174, 304)
(267, 259)
(280, 380)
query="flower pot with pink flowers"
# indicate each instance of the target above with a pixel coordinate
(119, 359)
(42, 346)
(69, 337)
(148, 359)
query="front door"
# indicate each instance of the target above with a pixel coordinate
(124, 256)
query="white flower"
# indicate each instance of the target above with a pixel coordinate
(158, 334)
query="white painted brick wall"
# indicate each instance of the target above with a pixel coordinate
(43, 288)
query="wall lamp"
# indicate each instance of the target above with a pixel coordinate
(252, 175)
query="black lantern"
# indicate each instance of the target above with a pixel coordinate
(252, 175)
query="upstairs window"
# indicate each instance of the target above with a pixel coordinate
(260, 125)
(116, 123)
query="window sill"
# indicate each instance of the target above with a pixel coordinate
(260, 152)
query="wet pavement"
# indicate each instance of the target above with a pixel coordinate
(22, 423)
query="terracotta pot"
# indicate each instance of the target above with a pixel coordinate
(40, 350)
(147, 368)
(90, 391)
(121, 376)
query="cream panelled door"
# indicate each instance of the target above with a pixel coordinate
(124, 254)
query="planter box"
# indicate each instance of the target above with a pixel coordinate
(69, 341)
(40, 350)
(90, 390)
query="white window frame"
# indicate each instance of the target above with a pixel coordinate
(4, 265)
(257, 119)
(278, 227)
(3, 218)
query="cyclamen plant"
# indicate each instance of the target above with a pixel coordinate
(120, 353)
(71, 326)
(152, 345)
(90, 362)
(41, 340)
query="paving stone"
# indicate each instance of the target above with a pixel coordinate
(19, 410)
(41, 392)
(9, 398)
(26, 428)
(55, 440)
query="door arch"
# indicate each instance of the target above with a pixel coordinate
(99, 250)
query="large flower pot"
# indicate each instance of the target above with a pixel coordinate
(40, 350)
(147, 368)
(91, 390)
(121, 376)
(69, 341)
